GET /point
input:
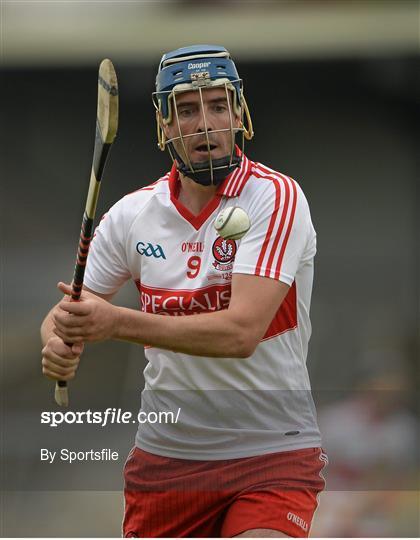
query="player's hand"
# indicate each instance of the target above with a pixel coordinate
(60, 361)
(90, 319)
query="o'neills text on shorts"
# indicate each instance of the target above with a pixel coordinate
(297, 521)
(108, 417)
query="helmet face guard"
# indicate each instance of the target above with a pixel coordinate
(199, 68)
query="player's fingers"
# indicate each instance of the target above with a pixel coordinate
(59, 360)
(76, 308)
(77, 348)
(64, 288)
(58, 370)
(67, 330)
(60, 364)
(68, 290)
(56, 376)
(69, 336)
(67, 320)
(57, 346)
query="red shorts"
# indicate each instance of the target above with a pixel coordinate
(169, 497)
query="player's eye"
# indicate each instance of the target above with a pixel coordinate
(185, 112)
(220, 108)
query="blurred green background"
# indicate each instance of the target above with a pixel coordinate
(333, 89)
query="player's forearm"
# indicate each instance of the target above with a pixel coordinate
(211, 334)
(47, 327)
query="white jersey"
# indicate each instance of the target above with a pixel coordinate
(228, 407)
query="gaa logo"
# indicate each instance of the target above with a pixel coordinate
(224, 251)
(149, 250)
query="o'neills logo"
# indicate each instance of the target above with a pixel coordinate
(184, 302)
(297, 521)
(224, 252)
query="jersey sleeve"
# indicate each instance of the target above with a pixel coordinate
(107, 268)
(281, 236)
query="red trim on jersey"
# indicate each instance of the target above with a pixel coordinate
(186, 291)
(279, 230)
(271, 224)
(235, 182)
(286, 317)
(278, 179)
(286, 237)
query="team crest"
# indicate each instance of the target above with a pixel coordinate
(224, 252)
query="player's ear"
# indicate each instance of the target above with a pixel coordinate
(161, 131)
(165, 128)
(163, 125)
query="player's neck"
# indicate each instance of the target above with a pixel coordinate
(194, 196)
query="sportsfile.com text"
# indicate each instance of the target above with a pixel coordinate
(108, 417)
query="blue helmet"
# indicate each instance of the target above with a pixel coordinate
(193, 68)
(189, 66)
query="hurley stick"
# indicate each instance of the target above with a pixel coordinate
(106, 129)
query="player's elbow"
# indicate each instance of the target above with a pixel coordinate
(238, 335)
(244, 344)
(246, 352)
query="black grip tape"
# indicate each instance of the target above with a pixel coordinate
(82, 254)
(100, 154)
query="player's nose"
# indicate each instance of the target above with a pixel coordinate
(202, 129)
(204, 122)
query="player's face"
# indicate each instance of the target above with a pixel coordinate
(194, 115)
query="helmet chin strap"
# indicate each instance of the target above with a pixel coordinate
(202, 173)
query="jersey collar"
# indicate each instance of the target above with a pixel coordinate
(235, 182)
(230, 187)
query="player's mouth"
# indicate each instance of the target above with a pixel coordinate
(201, 151)
(204, 148)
